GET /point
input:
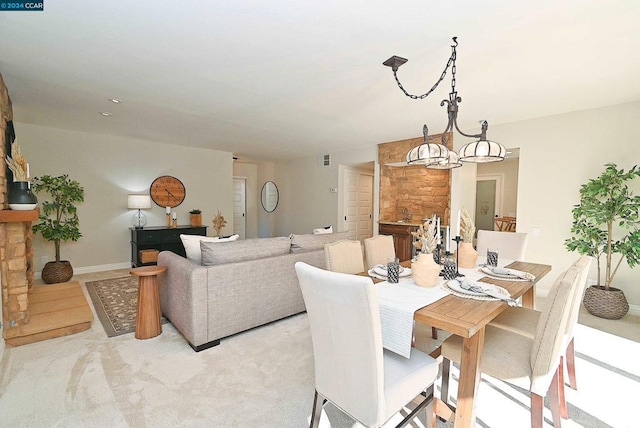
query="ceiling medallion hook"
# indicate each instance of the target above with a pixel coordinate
(479, 151)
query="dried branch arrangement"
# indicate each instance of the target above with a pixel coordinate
(219, 222)
(17, 163)
(426, 238)
(467, 228)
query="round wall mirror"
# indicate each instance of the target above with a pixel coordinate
(270, 196)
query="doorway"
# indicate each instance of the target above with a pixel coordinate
(357, 194)
(239, 207)
(488, 200)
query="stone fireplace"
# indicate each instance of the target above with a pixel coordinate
(60, 310)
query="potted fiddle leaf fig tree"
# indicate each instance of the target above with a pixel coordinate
(606, 223)
(58, 221)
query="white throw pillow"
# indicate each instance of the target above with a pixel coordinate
(191, 245)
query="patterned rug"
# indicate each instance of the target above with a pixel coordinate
(116, 304)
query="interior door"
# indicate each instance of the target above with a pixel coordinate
(485, 204)
(240, 207)
(358, 205)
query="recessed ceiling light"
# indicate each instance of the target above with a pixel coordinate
(105, 113)
(508, 152)
(115, 100)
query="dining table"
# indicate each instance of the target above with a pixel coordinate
(468, 318)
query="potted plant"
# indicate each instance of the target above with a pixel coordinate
(58, 221)
(195, 218)
(606, 223)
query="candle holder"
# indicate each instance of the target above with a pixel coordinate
(174, 223)
(458, 239)
(168, 220)
(436, 254)
(449, 266)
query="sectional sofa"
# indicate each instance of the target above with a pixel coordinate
(237, 286)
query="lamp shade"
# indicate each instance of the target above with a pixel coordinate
(482, 151)
(451, 162)
(139, 202)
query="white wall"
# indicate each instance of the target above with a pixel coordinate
(109, 168)
(305, 197)
(557, 155)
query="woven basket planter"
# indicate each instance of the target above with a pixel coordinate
(55, 272)
(611, 304)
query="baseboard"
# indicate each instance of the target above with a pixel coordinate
(543, 292)
(94, 269)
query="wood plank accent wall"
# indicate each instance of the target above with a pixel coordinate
(421, 190)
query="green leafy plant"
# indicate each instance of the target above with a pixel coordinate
(59, 218)
(195, 211)
(606, 221)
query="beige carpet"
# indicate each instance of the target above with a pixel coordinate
(261, 378)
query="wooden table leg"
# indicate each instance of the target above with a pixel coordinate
(469, 380)
(529, 298)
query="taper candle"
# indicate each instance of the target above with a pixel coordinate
(168, 210)
(174, 215)
(458, 224)
(448, 243)
(438, 231)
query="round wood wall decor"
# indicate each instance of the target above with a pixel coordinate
(167, 191)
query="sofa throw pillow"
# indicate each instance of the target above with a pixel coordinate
(191, 245)
(308, 242)
(246, 249)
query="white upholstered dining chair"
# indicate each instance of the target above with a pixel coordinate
(352, 370)
(524, 321)
(510, 245)
(379, 250)
(530, 363)
(344, 256)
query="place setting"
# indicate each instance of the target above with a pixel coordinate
(381, 271)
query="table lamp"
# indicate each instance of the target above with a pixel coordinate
(139, 202)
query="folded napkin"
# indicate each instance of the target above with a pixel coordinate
(506, 274)
(486, 289)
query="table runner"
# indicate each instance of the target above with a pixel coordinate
(398, 303)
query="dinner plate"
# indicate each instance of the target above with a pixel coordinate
(455, 286)
(382, 270)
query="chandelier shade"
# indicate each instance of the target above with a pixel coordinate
(427, 153)
(482, 151)
(452, 161)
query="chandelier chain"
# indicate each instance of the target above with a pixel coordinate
(452, 60)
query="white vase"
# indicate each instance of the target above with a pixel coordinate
(467, 256)
(425, 270)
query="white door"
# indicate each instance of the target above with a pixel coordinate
(239, 207)
(358, 204)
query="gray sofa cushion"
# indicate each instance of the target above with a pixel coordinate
(241, 250)
(310, 242)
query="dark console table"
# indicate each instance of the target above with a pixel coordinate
(160, 239)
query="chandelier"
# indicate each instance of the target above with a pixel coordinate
(436, 155)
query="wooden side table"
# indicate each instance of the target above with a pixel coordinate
(148, 317)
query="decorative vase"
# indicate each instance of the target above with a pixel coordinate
(467, 256)
(20, 196)
(610, 304)
(55, 272)
(195, 220)
(425, 270)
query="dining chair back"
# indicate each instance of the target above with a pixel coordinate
(523, 360)
(510, 245)
(351, 368)
(344, 256)
(379, 250)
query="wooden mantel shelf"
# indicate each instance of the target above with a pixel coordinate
(13, 216)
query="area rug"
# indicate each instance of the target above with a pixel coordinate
(116, 304)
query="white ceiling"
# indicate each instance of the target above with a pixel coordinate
(282, 79)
